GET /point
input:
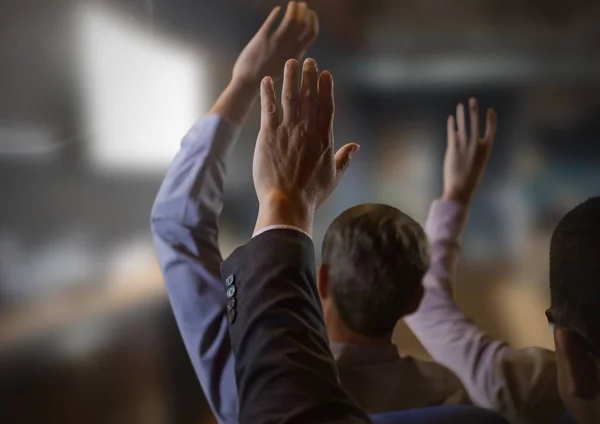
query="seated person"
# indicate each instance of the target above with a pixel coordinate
(574, 312)
(518, 383)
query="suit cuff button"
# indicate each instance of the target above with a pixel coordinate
(230, 292)
(231, 315)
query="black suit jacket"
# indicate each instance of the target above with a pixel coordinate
(285, 371)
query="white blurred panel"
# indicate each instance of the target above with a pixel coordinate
(141, 91)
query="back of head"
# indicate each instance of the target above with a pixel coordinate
(575, 271)
(575, 309)
(376, 257)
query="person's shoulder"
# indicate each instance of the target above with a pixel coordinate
(442, 381)
(434, 371)
(531, 373)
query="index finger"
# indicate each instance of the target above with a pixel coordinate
(268, 23)
(451, 130)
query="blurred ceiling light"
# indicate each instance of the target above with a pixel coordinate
(407, 152)
(140, 91)
(471, 69)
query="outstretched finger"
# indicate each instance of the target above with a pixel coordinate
(289, 96)
(269, 118)
(301, 13)
(491, 126)
(270, 21)
(474, 119)
(461, 124)
(451, 130)
(308, 92)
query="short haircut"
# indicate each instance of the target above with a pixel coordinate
(575, 272)
(376, 258)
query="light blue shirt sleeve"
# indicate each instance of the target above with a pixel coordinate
(184, 223)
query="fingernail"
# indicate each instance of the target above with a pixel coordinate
(473, 102)
(310, 62)
(266, 82)
(354, 150)
(291, 64)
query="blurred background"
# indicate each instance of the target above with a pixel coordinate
(95, 96)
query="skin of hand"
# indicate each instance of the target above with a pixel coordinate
(268, 50)
(265, 54)
(467, 154)
(295, 168)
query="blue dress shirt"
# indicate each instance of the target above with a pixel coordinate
(185, 228)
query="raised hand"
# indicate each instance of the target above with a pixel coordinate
(267, 52)
(295, 168)
(467, 154)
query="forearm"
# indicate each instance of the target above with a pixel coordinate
(444, 228)
(236, 101)
(517, 383)
(184, 224)
(442, 327)
(454, 341)
(191, 274)
(513, 382)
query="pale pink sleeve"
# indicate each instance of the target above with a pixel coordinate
(518, 383)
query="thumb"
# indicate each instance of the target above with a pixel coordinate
(343, 157)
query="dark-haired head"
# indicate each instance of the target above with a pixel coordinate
(575, 308)
(374, 258)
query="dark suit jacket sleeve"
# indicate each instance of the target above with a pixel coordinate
(284, 369)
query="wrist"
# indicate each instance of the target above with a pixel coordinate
(235, 101)
(460, 198)
(276, 208)
(244, 85)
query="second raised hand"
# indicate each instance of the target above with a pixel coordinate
(265, 54)
(467, 154)
(268, 50)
